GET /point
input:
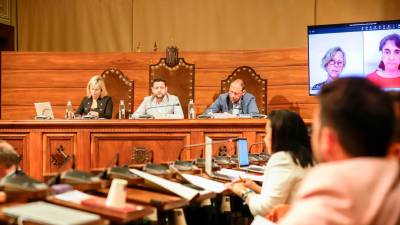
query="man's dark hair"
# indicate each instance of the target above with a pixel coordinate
(158, 80)
(361, 113)
(289, 133)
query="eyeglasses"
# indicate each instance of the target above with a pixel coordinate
(338, 63)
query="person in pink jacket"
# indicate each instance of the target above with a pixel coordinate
(355, 183)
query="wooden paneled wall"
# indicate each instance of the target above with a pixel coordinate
(28, 77)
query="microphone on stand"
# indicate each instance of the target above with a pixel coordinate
(19, 181)
(203, 144)
(76, 176)
(147, 116)
(255, 144)
(161, 106)
(105, 173)
(184, 165)
(117, 171)
(263, 155)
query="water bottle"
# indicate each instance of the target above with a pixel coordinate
(191, 111)
(69, 114)
(121, 112)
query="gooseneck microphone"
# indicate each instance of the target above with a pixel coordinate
(258, 143)
(148, 116)
(203, 144)
(162, 106)
(115, 158)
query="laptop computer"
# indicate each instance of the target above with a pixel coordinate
(243, 153)
(43, 110)
(243, 157)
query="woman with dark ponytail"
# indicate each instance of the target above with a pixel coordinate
(288, 142)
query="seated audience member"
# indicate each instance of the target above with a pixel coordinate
(160, 104)
(9, 159)
(236, 101)
(288, 143)
(96, 102)
(356, 184)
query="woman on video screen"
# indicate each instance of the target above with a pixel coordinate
(333, 63)
(388, 73)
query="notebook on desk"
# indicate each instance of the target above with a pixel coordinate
(46, 213)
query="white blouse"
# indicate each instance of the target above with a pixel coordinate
(281, 180)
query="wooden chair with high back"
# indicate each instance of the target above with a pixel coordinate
(255, 85)
(179, 76)
(119, 87)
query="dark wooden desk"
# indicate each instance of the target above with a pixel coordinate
(158, 200)
(95, 142)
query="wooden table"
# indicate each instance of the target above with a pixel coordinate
(95, 142)
(120, 217)
(161, 201)
(9, 220)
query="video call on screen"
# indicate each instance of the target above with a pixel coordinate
(360, 43)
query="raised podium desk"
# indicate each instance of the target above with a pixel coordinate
(95, 142)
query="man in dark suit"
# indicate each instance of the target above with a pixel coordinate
(236, 101)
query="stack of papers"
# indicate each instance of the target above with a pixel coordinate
(46, 213)
(236, 174)
(174, 187)
(206, 184)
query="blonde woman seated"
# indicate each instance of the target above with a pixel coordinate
(96, 102)
(288, 143)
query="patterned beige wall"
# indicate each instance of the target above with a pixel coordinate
(193, 25)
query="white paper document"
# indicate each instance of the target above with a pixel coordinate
(205, 183)
(242, 174)
(46, 213)
(176, 188)
(73, 196)
(224, 115)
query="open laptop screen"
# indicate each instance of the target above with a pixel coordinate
(43, 109)
(243, 152)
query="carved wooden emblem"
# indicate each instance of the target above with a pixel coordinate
(141, 155)
(172, 56)
(59, 159)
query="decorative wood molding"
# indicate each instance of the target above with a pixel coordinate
(141, 155)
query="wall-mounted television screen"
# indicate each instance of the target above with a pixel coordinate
(367, 49)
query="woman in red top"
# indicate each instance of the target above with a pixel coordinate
(388, 73)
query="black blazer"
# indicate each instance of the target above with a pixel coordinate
(104, 107)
